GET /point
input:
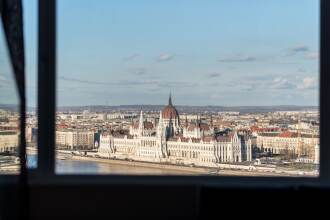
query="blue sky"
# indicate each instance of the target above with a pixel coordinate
(210, 52)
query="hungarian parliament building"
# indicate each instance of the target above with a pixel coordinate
(174, 142)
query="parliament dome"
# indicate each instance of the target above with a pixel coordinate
(170, 111)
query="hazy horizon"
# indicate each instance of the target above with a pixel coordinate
(316, 106)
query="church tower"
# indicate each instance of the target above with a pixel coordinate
(160, 128)
(141, 127)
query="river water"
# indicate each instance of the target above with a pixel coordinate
(69, 166)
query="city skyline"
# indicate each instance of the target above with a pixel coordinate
(250, 141)
(117, 55)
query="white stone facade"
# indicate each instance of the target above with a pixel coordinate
(75, 139)
(278, 143)
(8, 141)
(168, 143)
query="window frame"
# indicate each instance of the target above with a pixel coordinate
(47, 111)
(45, 171)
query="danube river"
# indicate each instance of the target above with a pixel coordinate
(88, 165)
(72, 166)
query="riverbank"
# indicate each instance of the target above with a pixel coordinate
(183, 170)
(68, 162)
(9, 165)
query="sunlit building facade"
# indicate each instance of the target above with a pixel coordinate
(171, 141)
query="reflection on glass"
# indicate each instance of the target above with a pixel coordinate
(30, 37)
(9, 116)
(185, 87)
(9, 101)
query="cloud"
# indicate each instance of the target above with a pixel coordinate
(312, 56)
(259, 77)
(284, 63)
(249, 87)
(299, 48)
(266, 82)
(131, 57)
(112, 83)
(277, 83)
(214, 75)
(308, 83)
(238, 59)
(82, 81)
(212, 84)
(256, 85)
(130, 83)
(165, 57)
(138, 71)
(168, 84)
(281, 83)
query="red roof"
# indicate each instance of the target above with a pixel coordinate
(257, 129)
(146, 125)
(286, 134)
(195, 140)
(205, 127)
(191, 127)
(208, 138)
(170, 112)
(223, 138)
(136, 125)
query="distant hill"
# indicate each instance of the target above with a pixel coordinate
(189, 109)
(180, 108)
(9, 107)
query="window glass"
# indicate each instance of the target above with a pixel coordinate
(30, 36)
(188, 87)
(9, 112)
(9, 100)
